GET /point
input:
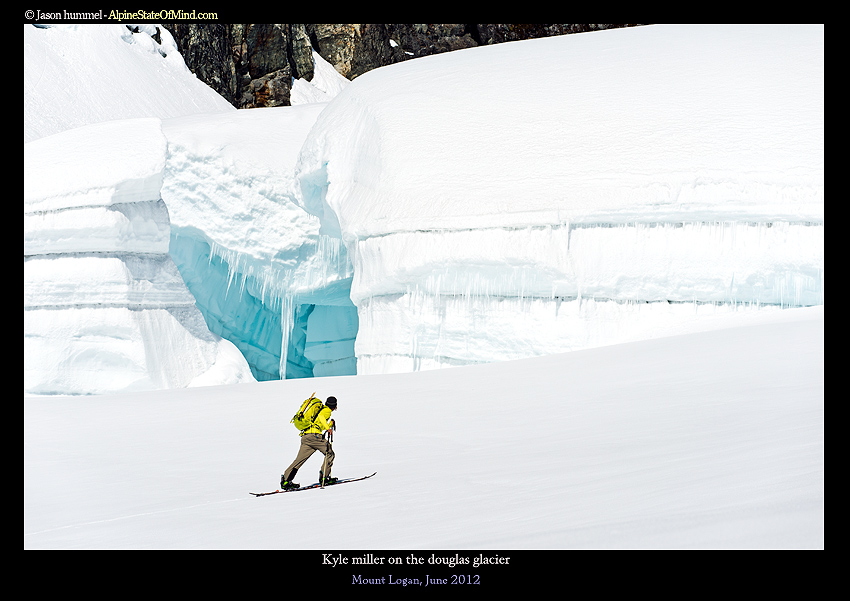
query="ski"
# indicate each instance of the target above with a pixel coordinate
(308, 487)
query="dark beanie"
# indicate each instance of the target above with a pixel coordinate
(331, 402)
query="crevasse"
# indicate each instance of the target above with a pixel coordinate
(264, 309)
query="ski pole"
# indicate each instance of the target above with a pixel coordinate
(325, 465)
(330, 434)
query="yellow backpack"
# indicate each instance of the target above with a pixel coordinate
(307, 413)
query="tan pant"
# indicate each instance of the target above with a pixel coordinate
(310, 443)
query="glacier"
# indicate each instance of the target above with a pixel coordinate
(491, 217)
(708, 435)
(436, 212)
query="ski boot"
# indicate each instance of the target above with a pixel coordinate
(326, 481)
(287, 484)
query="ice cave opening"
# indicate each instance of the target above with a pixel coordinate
(317, 329)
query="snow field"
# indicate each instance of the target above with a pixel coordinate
(707, 440)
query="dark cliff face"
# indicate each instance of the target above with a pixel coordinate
(252, 65)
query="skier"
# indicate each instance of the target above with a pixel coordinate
(312, 440)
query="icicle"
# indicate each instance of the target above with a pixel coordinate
(287, 319)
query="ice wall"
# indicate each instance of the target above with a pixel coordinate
(263, 274)
(105, 308)
(555, 194)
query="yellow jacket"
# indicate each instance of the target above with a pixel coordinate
(320, 422)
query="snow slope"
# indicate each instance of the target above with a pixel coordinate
(711, 439)
(75, 75)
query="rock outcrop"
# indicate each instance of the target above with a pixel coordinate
(253, 65)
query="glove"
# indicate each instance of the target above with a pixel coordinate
(332, 424)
